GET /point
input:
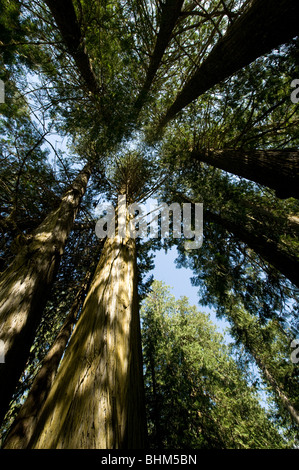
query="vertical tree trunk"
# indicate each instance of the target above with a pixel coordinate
(66, 19)
(281, 395)
(277, 169)
(25, 422)
(170, 13)
(25, 285)
(97, 400)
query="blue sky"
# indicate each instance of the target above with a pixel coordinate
(179, 280)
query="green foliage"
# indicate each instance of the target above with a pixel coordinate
(197, 396)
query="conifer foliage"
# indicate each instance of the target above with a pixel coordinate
(188, 102)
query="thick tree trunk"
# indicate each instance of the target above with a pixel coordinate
(264, 26)
(24, 425)
(97, 400)
(65, 17)
(271, 251)
(277, 253)
(25, 285)
(170, 13)
(276, 169)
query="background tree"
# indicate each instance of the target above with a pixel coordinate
(98, 78)
(190, 379)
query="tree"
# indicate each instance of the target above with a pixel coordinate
(26, 282)
(108, 348)
(257, 31)
(24, 424)
(69, 27)
(101, 75)
(170, 13)
(189, 379)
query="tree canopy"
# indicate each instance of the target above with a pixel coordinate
(187, 102)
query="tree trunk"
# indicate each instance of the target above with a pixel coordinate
(271, 251)
(24, 425)
(65, 17)
(277, 169)
(264, 26)
(248, 338)
(281, 395)
(97, 400)
(170, 13)
(274, 252)
(25, 285)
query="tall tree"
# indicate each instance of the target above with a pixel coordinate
(189, 378)
(107, 386)
(24, 424)
(26, 282)
(261, 28)
(69, 27)
(170, 13)
(88, 64)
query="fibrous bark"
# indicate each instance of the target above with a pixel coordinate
(24, 425)
(97, 400)
(274, 252)
(170, 12)
(25, 285)
(276, 169)
(263, 27)
(65, 17)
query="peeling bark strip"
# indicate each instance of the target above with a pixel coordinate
(170, 13)
(25, 284)
(65, 17)
(276, 169)
(100, 377)
(264, 26)
(25, 422)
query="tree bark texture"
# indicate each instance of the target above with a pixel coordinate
(97, 400)
(276, 169)
(65, 17)
(25, 285)
(271, 251)
(170, 13)
(24, 425)
(264, 26)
